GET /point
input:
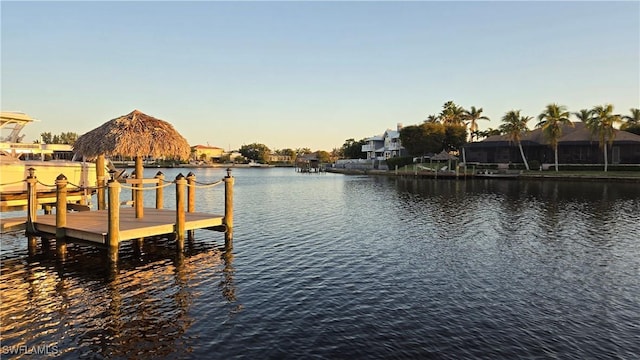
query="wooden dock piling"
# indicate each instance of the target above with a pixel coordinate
(228, 208)
(32, 213)
(181, 183)
(191, 198)
(159, 190)
(139, 196)
(32, 200)
(61, 216)
(100, 177)
(191, 192)
(113, 221)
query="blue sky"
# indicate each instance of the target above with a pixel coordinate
(311, 74)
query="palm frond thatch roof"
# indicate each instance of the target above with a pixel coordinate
(134, 134)
(443, 155)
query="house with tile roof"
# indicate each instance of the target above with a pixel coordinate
(577, 145)
(207, 153)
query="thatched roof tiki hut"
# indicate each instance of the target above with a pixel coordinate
(135, 134)
(444, 156)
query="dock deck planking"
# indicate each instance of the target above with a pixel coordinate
(12, 224)
(93, 225)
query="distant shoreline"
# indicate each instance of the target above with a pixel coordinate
(572, 176)
(203, 166)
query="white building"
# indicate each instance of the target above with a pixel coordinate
(385, 146)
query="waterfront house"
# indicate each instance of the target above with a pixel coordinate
(207, 153)
(385, 146)
(577, 145)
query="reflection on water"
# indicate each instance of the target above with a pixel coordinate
(336, 266)
(87, 308)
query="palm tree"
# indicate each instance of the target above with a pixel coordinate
(551, 121)
(584, 115)
(601, 124)
(432, 119)
(476, 134)
(514, 125)
(473, 116)
(631, 121)
(451, 113)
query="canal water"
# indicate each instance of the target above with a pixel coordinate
(331, 266)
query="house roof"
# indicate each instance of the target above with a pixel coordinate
(375, 138)
(203, 147)
(579, 133)
(393, 134)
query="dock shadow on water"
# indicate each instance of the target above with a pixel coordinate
(88, 307)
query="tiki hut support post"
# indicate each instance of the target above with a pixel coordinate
(133, 191)
(61, 216)
(228, 208)
(181, 183)
(139, 196)
(100, 177)
(159, 190)
(113, 232)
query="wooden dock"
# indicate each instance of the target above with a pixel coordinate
(112, 224)
(93, 226)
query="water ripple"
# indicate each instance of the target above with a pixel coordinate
(327, 266)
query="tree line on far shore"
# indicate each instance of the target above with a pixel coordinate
(449, 129)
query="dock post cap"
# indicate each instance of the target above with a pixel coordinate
(229, 172)
(180, 177)
(159, 173)
(61, 177)
(31, 171)
(190, 174)
(112, 174)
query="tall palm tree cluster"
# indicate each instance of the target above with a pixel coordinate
(600, 120)
(453, 114)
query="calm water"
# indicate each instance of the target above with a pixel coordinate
(332, 266)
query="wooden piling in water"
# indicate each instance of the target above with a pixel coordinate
(32, 211)
(61, 216)
(100, 180)
(159, 190)
(181, 183)
(113, 232)
(228, 207)
(191, 192)
(139, 196)
(32, 200)
(191, 199)
(32, 245)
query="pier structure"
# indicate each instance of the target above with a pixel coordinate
(308, 165)
(112, 223)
